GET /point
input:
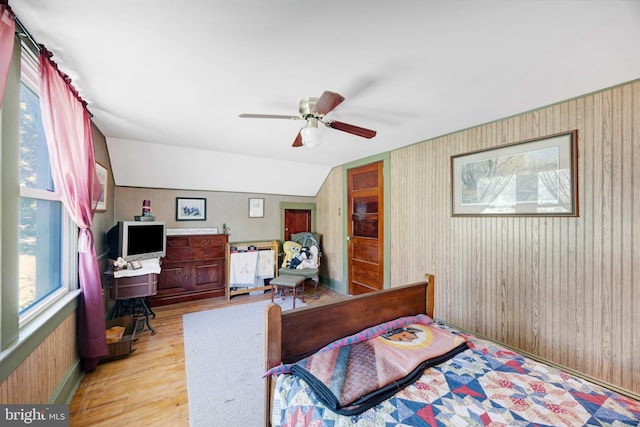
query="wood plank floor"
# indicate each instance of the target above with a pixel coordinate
(149, 387)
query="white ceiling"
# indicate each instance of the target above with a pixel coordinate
(166, 80)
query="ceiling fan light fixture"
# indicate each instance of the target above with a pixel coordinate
(311, 135)
(313, 111)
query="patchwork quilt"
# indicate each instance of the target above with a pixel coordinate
(485, 385)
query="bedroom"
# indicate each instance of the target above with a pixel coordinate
(506, 272)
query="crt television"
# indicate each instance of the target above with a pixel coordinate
(133, 240)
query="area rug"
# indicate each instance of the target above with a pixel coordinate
(224, 359)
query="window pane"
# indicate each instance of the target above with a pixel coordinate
(42, 215)
(365, 216)
(367, 204)
(40, 250)
(35, 170)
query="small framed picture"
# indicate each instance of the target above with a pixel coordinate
(190, 209)
(102, 178)
(256, 208)
(135, 264)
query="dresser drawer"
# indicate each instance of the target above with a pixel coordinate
(208, 252)
(193, 254)
(177, 242)
(207, 241)
(178, 254)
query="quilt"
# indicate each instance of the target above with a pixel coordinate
(486, 384)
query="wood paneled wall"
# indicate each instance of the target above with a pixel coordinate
(37, 377)
(566, 289)
(329, 223)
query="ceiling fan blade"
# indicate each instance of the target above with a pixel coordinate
(327, 102)
(268, 116)
(356, 130)
(298, 141)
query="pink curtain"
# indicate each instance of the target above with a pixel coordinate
(67, 126)
(7, 31)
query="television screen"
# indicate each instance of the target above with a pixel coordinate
(133, 240)
(145, 239)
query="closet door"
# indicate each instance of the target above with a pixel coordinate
(365, 230)
(296, 221)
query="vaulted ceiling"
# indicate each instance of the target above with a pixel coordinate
(166, 81)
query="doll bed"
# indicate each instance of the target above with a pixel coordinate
(486, 384)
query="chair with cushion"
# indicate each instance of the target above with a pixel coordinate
(302, 253)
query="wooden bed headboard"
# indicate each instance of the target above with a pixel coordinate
(295, 334)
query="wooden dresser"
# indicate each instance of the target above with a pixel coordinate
(193, 268)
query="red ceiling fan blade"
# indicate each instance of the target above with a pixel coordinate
(298, 141)
(327, 102)
(268, 116)
(356, 130)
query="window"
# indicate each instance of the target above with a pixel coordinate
(45, 253)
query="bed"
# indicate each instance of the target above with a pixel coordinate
(486, 384)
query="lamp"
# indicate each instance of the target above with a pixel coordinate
(311, 135)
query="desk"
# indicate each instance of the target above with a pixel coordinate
(130, 294)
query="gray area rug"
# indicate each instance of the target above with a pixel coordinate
(224, 359)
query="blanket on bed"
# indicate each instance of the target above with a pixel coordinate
(350, 379)
(485, 385)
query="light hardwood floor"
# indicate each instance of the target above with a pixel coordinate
(149, 387)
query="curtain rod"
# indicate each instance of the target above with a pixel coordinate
(24, 33)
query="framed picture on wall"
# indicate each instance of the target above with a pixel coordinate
(102, 178)
(191, 209)
(537, 177)
(256, 208)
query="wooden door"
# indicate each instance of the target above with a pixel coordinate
(366, 228)
(296, 221)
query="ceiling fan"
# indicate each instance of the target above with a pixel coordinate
(313, 111)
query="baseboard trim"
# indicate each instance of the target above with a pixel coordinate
(63, 394)
(333, 284)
